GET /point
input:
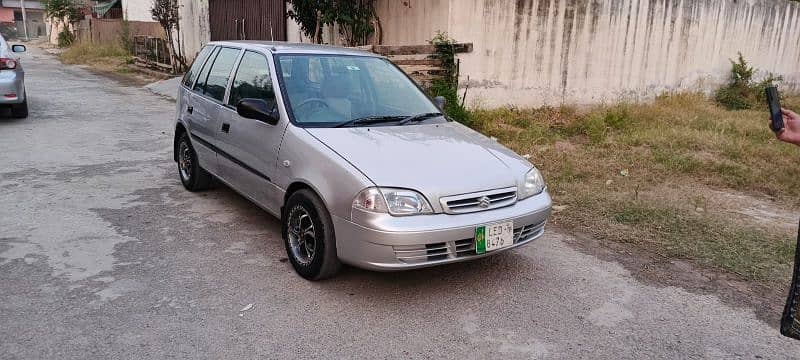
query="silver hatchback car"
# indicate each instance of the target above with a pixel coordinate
(12, 80)
(358, 163)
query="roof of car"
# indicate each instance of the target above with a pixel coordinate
(278, 47)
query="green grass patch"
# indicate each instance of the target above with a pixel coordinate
(747, 251)
(599, 160)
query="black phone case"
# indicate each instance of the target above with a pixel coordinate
(774, 105)
(790, 323)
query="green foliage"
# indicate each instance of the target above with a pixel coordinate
(312, 16)
(165, 12)
(65, 10)
(355, 21)
(355, 18)
(742, 92)
(445, 52)
(598, 125)
(447, 86)
(125, 37)
(453, 107)
(65, 38)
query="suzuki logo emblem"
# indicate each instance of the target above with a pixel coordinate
(484, 202)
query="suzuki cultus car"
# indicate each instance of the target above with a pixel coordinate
(359, 164)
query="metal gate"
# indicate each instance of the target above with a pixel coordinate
(247, 19)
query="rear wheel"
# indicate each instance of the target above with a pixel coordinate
(309, 237)
(193, 177)
(20, 111)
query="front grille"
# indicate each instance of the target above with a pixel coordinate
(485, 200)
(414, 254)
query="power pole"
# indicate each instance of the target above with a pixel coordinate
(24, 19)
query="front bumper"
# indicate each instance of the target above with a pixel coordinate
(401, 243)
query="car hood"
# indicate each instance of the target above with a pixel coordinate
(436, 159)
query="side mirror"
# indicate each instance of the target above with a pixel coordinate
(440, 102)
(258, 109)
(18, 48)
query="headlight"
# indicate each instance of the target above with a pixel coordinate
(533, 185)
(393, 201)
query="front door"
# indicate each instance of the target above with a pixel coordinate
(251, 146)
(247, 20)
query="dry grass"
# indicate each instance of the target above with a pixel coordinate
(102, 57)
(599, 161)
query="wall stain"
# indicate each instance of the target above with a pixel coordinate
(536, 52)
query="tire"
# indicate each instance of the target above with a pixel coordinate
(320, 261)
(193, 177)
(20, 111)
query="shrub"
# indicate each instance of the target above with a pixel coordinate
(65, 38)
(126, 37)
(452, 106)
(447, 86)
(598, 125)
(741, 92)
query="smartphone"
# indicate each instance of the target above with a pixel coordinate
(774, 102)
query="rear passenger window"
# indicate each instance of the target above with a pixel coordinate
(252, 79)
(200, 84)
(220, 73)
(201, 58)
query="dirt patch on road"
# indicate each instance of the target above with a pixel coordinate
(741, 266)
(131, 77)
(653, 268)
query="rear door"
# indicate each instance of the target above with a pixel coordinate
(251, 146)
(208, 94)
(194, 120)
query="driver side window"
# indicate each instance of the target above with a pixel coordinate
(252, 79)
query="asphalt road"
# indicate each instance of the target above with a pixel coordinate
(103, 255)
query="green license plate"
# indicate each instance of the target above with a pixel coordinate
(494, 236)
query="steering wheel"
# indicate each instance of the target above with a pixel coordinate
(312, 101)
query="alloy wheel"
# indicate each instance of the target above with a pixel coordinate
(302, 235)
(185, 161)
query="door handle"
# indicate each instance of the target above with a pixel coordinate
(236, 26)
(226, 127)
(244, 31)
(190, 109)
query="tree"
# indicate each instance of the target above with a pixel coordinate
(355, 21)
(353, 17)
(65, 12)
(62, 10)
(312, 15)
(165, 12)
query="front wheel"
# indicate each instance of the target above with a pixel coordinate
(309, 237)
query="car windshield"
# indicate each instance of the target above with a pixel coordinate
(335, 90)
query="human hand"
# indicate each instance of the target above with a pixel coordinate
(791, 127)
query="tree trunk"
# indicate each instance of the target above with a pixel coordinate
(317, 29)
(181, 56)
(378, 26)
(172, 57)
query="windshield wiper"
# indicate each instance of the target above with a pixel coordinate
(419, 117)
(370, 120)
